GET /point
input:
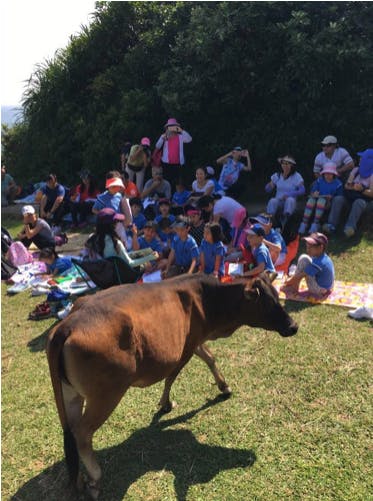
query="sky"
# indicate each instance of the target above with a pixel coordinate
(32, 31)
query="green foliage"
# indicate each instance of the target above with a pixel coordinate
(272, 76)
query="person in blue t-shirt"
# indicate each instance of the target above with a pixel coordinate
(316, 267)
(180, 198)
(149, 238)
(322, 192)
(164, 207)
(52, 203)
(56, 264)
(138, 217)
(212, 250)
(273, 239)
(184, 254)
(261, 254)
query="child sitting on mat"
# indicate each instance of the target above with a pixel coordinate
(56, 264)
(316, 267)
(261, 254)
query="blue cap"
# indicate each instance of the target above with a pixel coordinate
(256, 229)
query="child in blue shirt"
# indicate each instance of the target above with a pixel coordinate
(56, 264)
(212, 250)
(149, 239)
(138, 217)
(316, 267)
(180, 198)
(323, 190)
(262, 256)
(184, 254)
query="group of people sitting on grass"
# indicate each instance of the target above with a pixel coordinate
(204, 228)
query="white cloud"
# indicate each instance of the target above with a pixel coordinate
(32, 31)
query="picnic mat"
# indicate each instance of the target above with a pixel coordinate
(348, 294)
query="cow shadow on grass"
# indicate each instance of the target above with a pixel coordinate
(39, 343)
(156, 448)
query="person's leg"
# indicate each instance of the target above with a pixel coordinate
(85, 211)
(130, 173)
(290, 206)
(356, 211)
(273, 206)
(338, 203)
(320, 209)
(140, 179)
(74, 209)
(313, 286)
(310, 205)
(294, 281)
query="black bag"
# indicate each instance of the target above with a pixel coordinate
(353, 195)
(108, 272)
(7, 269)
(6, 240)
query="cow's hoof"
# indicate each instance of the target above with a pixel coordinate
(225, 390)
(167, 407)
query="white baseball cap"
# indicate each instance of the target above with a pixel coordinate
(28, 209)
(329, 140)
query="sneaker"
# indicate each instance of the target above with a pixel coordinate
(63, 313)
(362, 312)
(328, 228)
(314, 228)
(302, 229)
(349, 231)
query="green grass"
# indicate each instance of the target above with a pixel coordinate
(298, 425)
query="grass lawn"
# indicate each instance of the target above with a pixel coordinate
(298, 425)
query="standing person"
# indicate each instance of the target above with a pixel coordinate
(124, 152)
(137, 162)
(83, 198)
(232, 168)
(9, 188)
(289, 185)
(172, 144)
(322, 190)
(212, 251)
(35, 230)
(315, 266)
(332, 152)
(52, 205)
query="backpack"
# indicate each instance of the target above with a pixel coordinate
(18, 254)
(7, 269)
(6, 240)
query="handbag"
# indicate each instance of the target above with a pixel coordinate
(353, 195)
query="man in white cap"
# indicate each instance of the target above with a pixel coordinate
(35, 230)
(332, 152)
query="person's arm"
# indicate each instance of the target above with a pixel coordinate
(152, 186)
(126, 210)
(299, 190)
(31, 232)
(346, 167)
(218, 260)
(224, 158)
(43, 203)
(202, 262)
(255, 271)
(160, 141)
(269, 187)
(170, 260)
(56, 204)
(135, 240)
(192, 266)
(247, 167)
(186, 137)
(210, 189)
(274, 249)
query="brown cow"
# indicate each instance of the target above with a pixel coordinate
(137, 335)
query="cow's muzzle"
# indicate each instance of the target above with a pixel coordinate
(290, 330)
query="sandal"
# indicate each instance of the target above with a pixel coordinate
(41, 311)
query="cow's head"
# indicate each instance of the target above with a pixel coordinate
(265, 309)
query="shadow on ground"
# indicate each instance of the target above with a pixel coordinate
(155, 448)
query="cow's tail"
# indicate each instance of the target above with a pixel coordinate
(56, 341)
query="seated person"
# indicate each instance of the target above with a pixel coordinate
(201, 186)
(197, 225)
(315, 266)
(83, 198)
(52, 204)
(166, 234)
(332, 152)
(138, 217)
(212, 251)
(326, 186)
(233, 165)
(184, 255)
(261, 254)
(9, 189)
(179, 198)
(164, 209)
(105, 242)
(154, 189)
(35, 230)
(56, 265)
(272, 239)
(149, 239)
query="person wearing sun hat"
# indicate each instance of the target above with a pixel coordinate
(332, 152)
(171, 142)
(35, 230)
(322, 192)
(289, 185)
(315, 267)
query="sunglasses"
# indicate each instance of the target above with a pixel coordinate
(284, 162)
(327, 145)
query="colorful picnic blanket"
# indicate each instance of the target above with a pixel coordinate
(348, 294)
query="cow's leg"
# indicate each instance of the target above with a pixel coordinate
(205, 354)
(165, 403)
(96, 411)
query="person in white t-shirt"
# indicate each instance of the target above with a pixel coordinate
(201, 186)
(289, 185)
(332, 152)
